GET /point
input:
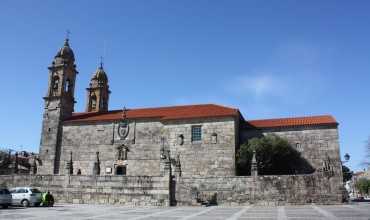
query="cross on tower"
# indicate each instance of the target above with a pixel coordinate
(67, 34)
(101, 62)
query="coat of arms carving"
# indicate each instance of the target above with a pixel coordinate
(123, 129)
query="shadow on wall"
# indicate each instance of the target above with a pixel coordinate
(274, 155)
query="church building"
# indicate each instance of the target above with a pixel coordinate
(196, 140)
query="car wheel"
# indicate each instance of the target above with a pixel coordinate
(5, 206)
(25, 203)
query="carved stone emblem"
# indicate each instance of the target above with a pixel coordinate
(123, 129)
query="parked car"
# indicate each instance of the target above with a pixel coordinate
(26, 196)
(5, 198)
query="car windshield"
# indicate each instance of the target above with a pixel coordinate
(4, 191)
(35, 191)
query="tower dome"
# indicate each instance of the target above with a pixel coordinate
(66, 52)
(100, 75)
(98, 91)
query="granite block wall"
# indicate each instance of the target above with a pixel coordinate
(84, 140)
(213, 155)
(155, 191)
(132, 191)
(318, 145)
(262, 190)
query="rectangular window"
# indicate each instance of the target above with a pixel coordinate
(196, 133)
(298, 146)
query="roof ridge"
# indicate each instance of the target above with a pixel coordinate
(293, 117)
(165, 113)
(160, 107)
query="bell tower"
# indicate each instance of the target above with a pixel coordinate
(98, 92)
(59, 104)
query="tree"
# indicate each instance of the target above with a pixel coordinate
(347, 173)
(363, 185)
(274, 156)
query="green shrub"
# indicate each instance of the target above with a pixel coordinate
(274, 156)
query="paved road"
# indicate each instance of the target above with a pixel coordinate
(69, 211)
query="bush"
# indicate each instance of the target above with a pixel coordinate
(363, 185)
(274, 156)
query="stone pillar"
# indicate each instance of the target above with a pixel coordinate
(33, 168)
(254, 170)
(96, 170)
(177, 170)
(69, 166)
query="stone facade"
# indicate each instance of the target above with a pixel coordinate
(144, 142)
(319, 145)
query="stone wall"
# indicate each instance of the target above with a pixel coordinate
(133, 191)
(317, 144)
(316, 188)
(262, 190)
(84, 140)
(213, 156)
(208, 157)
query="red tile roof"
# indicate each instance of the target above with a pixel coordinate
(291, 122)
(162, 113)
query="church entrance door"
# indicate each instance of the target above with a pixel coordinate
(121, 170)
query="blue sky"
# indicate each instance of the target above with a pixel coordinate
(267, 58)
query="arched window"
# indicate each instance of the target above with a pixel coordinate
(55, 82)
(180, 139)
(93, 102)
(68, 85)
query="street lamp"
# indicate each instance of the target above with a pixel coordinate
(346, 158)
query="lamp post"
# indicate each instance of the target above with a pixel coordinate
(346, 171)
(346, 158)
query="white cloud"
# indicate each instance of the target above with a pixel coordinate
(257, 85)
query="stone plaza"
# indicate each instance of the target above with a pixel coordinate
(83, 211)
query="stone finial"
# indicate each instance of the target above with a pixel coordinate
(178, 165)
(254, 170)
(33, 167)
(96, 170)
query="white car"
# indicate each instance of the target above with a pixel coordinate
(5, 198)
(26, 196)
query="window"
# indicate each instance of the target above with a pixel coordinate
(35, 191)
(214, 138)
(196, 133)
(180, 139)
(121, 170)
(298, 146)
(93, 102)
(21, 191)
(55, 82)
(68, 85)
